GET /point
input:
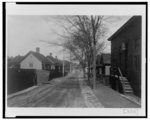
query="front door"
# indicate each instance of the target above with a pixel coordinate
(124, 60)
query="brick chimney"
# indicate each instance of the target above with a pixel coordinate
(38, 50)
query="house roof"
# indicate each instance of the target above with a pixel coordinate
(98, 59)
(123, 27)
(51, 59)
(39, 56)
(106, 58)
(54, 60)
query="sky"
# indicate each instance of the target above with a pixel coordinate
(25, 32)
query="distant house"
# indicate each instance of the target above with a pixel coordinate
(126, 52)
(35, 60)
(105, 61)
(103, 67)
(56, 63)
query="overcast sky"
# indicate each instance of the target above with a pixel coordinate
(24, 33)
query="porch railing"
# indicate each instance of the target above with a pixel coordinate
(115, 79)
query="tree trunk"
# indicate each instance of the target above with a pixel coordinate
(94, 68)
(83, 72)
(89, 73)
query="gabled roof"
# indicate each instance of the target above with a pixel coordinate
(131, 20)
(54, 60)
(39, 56)
(51, 59)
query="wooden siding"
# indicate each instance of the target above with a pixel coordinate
(131, 64)
(31, 59)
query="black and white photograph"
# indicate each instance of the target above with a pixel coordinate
(75, 60)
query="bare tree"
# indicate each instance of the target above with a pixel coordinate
(78, 49)
(84, 38)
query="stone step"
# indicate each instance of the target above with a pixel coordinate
(126, 85)
(127, 88)
(123, 81)
(128, 91)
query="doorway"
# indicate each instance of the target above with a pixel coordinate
(124, 59)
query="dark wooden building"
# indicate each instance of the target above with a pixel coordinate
(102, 68)
(105, 62)
(126, 52)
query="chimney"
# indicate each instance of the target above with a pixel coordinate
(56, 57)
(50, 54)
(38, 50)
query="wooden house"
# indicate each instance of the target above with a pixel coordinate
(56, 63)
(126, 54)
(103, 67)
(35, 60)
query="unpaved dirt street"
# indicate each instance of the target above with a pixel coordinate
(70, 92)
(64, 92)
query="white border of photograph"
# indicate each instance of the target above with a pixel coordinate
(13, 9)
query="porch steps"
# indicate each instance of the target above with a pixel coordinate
(127, 89)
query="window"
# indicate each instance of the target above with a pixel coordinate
(30, 65)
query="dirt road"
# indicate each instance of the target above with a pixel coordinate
(70, 92)
(64, 92)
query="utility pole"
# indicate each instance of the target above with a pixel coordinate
(63, 70)
(70, 62)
